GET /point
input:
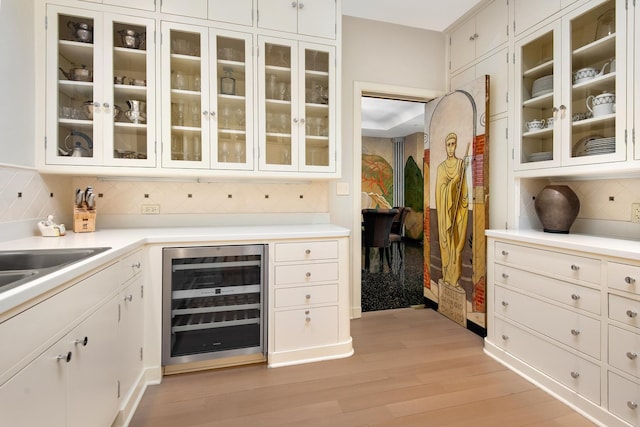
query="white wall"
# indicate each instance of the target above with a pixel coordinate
(381, 53)
(17, 89)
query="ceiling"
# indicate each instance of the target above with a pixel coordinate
(434, 15)
(387, 118)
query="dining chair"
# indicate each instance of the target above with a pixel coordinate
(376, 233)
(397, 228)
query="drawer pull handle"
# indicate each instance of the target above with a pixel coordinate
(306, 312)
(308, 251)
(307, 296)
(575, 374)
(66, 357)
(632, 314)
(632, 356)
(629, 280)
(128, 298)
(505, 337)
(136, 265)
(505, 303)
(84, 341)
(575, 297)
(631, 404)
(308, 274)
(505, 253)
(505, 276)
(575, 332)
(575, 267)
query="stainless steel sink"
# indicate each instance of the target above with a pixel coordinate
(19, 267)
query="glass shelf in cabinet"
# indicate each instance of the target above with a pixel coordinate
(606, 119)
(76, 90)
(537, 132)
(76, 52)
(539, 101)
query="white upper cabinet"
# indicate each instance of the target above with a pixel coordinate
(528, 13)
(138, 4)
(485, 31)
(100, 107)
(634, 71)
(207, 119)
(308, 17)
(568, 111)
(234, 11)
(297, 106)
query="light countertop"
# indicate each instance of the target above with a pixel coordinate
(122, 241)
(629, 249)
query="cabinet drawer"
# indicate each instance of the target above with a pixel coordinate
(567, 327)
(306, 273)
(306, 251)
(624, 277)
(624, 348)
(131, 265)
(306, 295)
(41, 323)
(566, 293)
(556, 263)
(624, 310)
(624, 399)
(579, 375)
(305, 328)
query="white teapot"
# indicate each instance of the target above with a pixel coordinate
(603, 104)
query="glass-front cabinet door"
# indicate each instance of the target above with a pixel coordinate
(568, 115)
(100, 110)
(296, 119)
(207, 118)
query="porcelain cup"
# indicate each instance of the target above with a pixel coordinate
(536, 124)
(602, 104)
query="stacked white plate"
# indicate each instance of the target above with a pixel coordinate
(541, 156)
(542, 86)
(600, 146)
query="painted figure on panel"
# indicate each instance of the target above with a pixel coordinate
(451, 205)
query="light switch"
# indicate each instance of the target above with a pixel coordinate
(342, 189)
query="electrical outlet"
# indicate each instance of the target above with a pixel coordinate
(635, 212)
(150, 209)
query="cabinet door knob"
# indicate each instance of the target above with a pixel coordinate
(307, 296)
(505, 337)
(84, 341)
(505, 303)
(295, 120)
(212, 113)
(505, 276)
(106, 105)
(575, 297)
(631, 314)
(96, 104)
(575, 267)
(308, 274)
(575, 332)
(302, 120)
(308, 251)
(629, 280)
(66, 357)
(575, 374)
(136, 265)
(128, 298)
(300, 5)
(631, 404)
(505, 253)
(632, 356)
(555, 110)
(294, 4)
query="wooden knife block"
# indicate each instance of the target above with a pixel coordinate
(84, 220)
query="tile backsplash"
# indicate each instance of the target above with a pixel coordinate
(26, 197)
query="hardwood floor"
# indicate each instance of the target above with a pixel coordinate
(411, 367)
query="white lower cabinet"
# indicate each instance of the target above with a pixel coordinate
(73, 383)
(308, 292)
(131, 336)
(565, 315)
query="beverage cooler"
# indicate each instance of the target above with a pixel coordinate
(213, 302)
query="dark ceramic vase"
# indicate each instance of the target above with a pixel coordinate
(557, 206)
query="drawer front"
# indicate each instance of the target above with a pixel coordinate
(28, 330)
(565, 326)
(306, 251)
(624, 277)
(624, 348)
(624, 310)
(556, 263)
(305, 328)
(131, 265)
(581, 376)
(566, 293)
(306, 295)
(306, 273)
(624, 399)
